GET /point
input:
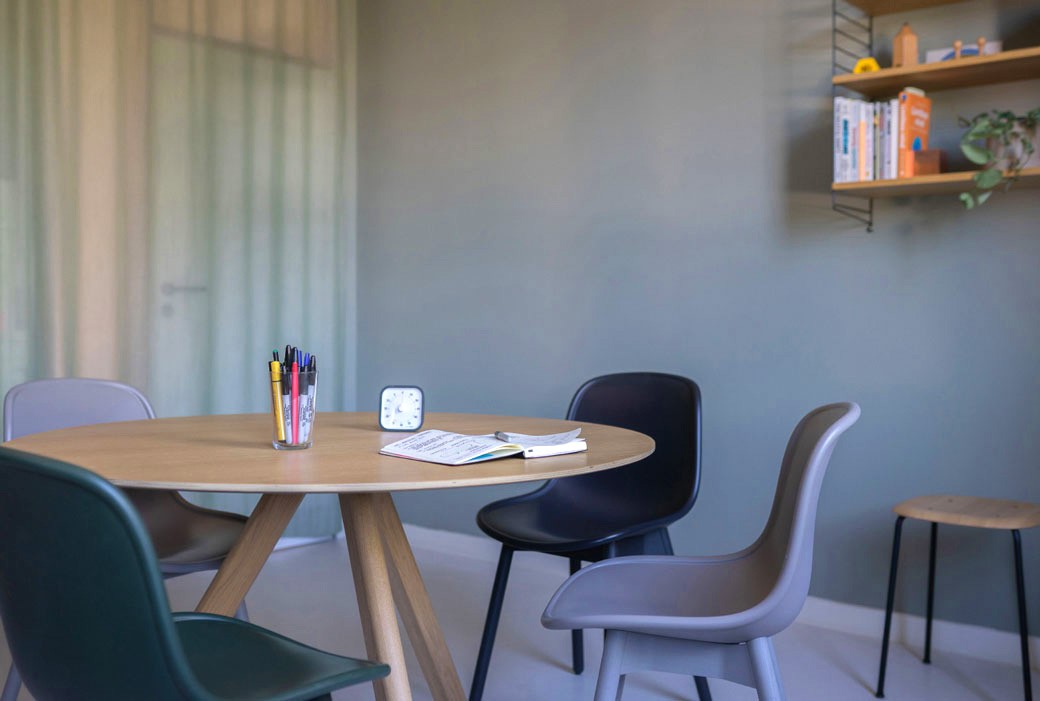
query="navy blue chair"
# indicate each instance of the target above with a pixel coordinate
(624, 511)
(86, 615)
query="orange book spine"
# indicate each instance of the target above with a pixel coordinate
(915, 112)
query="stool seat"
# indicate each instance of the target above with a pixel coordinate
(978, 512)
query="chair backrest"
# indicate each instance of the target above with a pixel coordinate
(47, 405)
(783, 552)
(662, 487)
(81, 598)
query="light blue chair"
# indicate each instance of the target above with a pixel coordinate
(711, 616)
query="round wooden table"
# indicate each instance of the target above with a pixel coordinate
(233, 453)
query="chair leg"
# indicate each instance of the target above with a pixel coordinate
(242, 613)
(609, 685)
(763, 667)
(931, 595)
(666, 542)
(577, 638)
(13, 684)
(1023, 624)
(487, 641)
(880, 693)
(703, 692)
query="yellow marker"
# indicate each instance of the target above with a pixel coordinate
(866, 65)
(276, 399)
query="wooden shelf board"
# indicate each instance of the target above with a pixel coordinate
(887, 7)
(943, 184)
(1003, 67)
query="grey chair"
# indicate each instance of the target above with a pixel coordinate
(711, 616)
(187, 538)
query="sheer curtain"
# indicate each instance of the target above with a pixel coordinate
(177, 182)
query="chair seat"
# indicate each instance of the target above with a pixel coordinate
(235, 659)
(545, 525)
(187, 538)
(978, 512)
(709, 599)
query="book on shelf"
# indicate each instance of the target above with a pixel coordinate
(447, 448)
(915, 111)
(877, 140)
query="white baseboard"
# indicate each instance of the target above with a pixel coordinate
(285, 543)
(975, 641)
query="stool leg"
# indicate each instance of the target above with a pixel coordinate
(931, 595)
(888, 607)
(1023, 624)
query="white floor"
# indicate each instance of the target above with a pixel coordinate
(307, 593)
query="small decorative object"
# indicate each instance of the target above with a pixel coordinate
(957, 46)
(904, 48)
(401, 408)
(1008, 144)
(866, 65)
(929, 161)
(981, 48)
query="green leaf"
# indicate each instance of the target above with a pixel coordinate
(979, 130)
(977, 154)
(967, 200)
(989, 178)
(983, 196)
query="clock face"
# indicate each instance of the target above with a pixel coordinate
(401, 408)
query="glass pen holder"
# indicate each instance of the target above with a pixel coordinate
(293, 396)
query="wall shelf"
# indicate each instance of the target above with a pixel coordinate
(887, 7)
(1003, 67)
(942, 184)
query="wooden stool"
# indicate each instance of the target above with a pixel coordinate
(976, 512)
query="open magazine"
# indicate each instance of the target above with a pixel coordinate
(449, 448)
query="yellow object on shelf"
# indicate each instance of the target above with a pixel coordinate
(866, 65)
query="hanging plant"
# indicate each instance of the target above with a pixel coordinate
(1003, 143)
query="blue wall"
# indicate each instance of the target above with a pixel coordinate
(554, 189)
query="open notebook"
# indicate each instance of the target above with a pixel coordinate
(449, 448)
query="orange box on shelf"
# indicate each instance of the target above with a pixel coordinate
(930, 161)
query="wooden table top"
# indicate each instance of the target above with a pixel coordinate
(233, 453)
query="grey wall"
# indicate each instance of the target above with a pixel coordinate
(554, 189)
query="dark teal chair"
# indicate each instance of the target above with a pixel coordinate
(86, 614)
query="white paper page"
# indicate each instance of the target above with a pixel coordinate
(444, 447)
(528, 441)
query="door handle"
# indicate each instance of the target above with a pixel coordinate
(168, 288)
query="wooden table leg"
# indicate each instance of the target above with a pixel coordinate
(248, 555)
(375, 600)
(413, 603)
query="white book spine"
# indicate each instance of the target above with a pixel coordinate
(893, 141)
(867, 120)
(837, 139)
(854, 140)
(846, 140)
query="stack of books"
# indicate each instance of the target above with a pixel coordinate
(877, 140)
